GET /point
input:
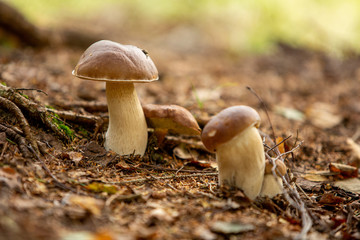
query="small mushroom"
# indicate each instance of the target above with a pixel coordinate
(272, 185)
(170, 118)
(120, 66)
(234, 136)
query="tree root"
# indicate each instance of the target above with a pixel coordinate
(35, 110)
(10, 106)
(14, 136)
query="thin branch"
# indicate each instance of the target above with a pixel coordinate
(140, 180)
(31, 89)
(47, 170)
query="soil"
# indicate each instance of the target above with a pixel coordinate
(172, 192)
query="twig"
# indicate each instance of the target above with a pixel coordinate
(10, 106)
(31, 89)
(173, 170)
(278, 144)
(76, 117)
(265, 109)
(140, 180)
(47, 170)
(89, 106)
(3, 150)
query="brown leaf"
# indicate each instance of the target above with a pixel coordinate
(330, 199)
(344, 171)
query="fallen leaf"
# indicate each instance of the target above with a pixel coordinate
(231, 228)
(355, 151)
(76, 157)
(316, 176)
(199, 163)
(281, 146)
(323, 115)
(351, 185)
(10, 178)
(100, 187)
(89, 204)
(182, 152)
(330, 199)
(290, 113)
(203, 233)
(344, 171)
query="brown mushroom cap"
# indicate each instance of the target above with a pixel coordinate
(172, 117)
(227, 124)
(110, 61)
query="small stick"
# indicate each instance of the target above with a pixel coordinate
(140, 180)
(3, 151)
(271, 149)
(265, 109)
(31, 89)
(47, 170)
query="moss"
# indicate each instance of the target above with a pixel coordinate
(61, 125)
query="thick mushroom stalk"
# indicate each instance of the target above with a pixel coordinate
(127, 132)
(241, 162)
(233, 135)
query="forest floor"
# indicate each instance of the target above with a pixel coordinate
(172, 192)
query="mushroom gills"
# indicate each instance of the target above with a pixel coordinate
(241, 162)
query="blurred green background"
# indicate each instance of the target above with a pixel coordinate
(237, 26)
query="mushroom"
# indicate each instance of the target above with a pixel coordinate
(272, 185)
(120, 66)
(234, 136)
(170, 118)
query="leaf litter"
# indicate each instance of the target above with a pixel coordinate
(172, 192)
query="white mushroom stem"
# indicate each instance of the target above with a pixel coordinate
(272, 186)
(241, 162)
(127, 132)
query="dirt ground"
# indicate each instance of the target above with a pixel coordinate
(172, 192)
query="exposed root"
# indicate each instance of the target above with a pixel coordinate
(34, 110)
(21, 142)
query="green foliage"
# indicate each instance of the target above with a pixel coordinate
(238, 26)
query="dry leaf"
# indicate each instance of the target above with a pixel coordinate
(351, 185)
(323, 115)
(10, 177)
(316, 176)
(355, 151)
(89, 204)
(76, 157)
(231, 228)
(330, 199)
(290, 113)
(182, 152)
(344, 171)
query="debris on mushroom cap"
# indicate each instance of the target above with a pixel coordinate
(110, 61)
(174, 118)
(280, 166)
(227, 124)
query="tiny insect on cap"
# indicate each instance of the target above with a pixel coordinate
(110, 61)
(227, 124)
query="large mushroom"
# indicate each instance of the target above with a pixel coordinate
(234, 136)
(170, 118)
(120, 66)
